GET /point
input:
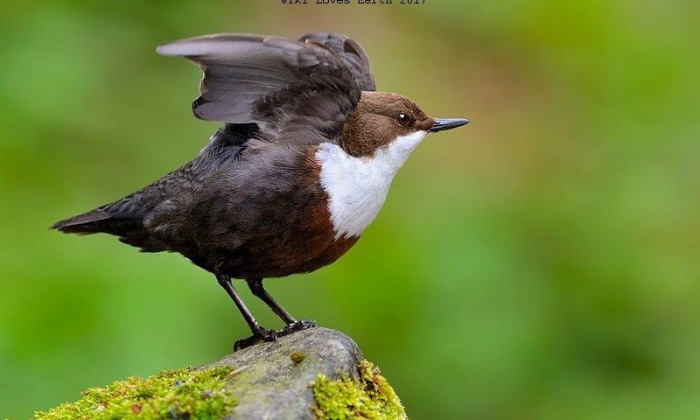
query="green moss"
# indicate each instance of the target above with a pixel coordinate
(177, 394)
(367, 397)
(297, 357)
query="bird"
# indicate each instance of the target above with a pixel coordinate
(300, 168)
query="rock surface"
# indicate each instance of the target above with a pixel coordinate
(271, 380)
(312, 374)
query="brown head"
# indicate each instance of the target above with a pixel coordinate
(377, 139)
(382, 117)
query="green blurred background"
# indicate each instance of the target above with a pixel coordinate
(541, 263)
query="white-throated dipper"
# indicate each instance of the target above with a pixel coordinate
(300, 169)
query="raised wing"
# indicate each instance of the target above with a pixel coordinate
(350, 52)
(272, 81)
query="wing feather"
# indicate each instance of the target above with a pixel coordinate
(350, 52)
(277, 82)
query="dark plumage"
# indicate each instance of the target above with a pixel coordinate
(252, 204)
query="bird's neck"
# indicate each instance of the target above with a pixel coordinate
(357, 186)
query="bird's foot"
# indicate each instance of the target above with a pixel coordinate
(295, 326)
(260, 334)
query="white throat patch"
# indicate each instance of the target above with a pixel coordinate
(357, 186)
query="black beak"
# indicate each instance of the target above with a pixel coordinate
(446, 124)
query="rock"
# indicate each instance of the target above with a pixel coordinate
(313, 374)
(272, 379)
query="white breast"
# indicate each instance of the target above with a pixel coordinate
(357, 186)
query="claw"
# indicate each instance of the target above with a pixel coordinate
(260, 334)
(296, 326)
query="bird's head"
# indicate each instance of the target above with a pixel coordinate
(389, 123)
(376, 141)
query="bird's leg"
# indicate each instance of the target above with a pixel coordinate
(291, 324)
(259, 333)
(256, 287)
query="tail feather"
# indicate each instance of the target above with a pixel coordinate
(91, 222)
(130, 230)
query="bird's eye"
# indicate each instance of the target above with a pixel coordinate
(403, 119)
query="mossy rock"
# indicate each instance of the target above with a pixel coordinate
(368, 396)
(181, 394)
(313, 374)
